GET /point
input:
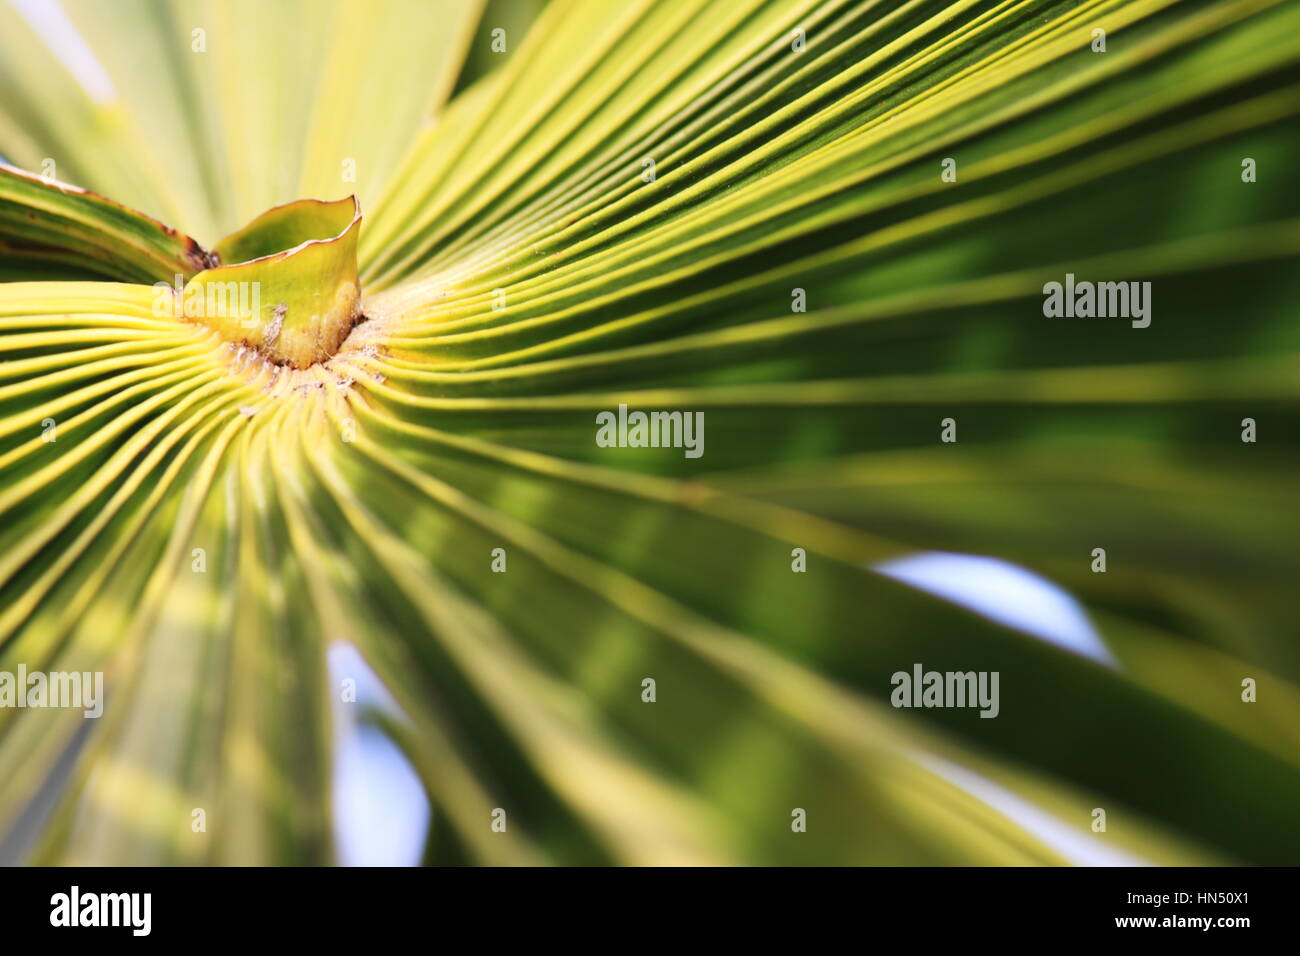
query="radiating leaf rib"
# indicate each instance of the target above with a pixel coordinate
(606, 591)
(590, 575)
(87, 644)
(46, 219)
(1070, 178)
(552, 763)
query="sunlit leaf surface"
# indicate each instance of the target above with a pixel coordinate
(820, 228)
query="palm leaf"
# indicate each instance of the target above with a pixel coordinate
(214, 517)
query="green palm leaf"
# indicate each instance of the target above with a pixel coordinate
(626, 208)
